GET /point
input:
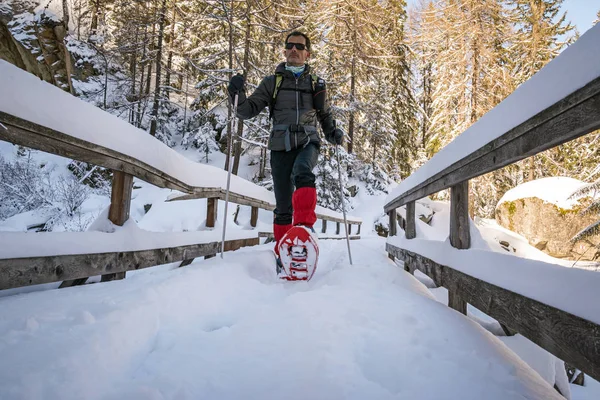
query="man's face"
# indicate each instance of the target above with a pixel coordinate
(294, 56)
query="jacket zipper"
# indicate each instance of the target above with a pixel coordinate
(297, 115)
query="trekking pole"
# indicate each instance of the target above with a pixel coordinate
(229, 146)
(337, 156)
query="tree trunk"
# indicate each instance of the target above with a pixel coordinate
(157, 86)
(170, 58)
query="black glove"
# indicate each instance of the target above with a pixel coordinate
(336, 136)
(236, 84)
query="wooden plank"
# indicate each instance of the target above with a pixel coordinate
(576, 115)
(352, 237)
(18, 272)
(120, 198)
(392, 222)
(253, 217)
(411, 229)
(570, 338)
(120, 205)
(37, 137)
(460, 237)
(323, 225)
(211, 212)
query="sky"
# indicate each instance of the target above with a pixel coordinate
(581, 12)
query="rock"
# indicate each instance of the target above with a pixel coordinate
(548, 227)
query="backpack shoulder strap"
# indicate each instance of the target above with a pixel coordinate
(278, 79)
(315, 78)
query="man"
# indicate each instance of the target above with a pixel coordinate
(297, 101)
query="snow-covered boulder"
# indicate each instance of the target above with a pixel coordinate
(542, 212)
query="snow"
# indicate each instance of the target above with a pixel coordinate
(554, 190)
(576, 66)
(230, 329)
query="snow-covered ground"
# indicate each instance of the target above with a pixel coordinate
(229, 329)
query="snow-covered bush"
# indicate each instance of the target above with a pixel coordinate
(328, 180)
(24, 186)
(202, 138)
(374, 177)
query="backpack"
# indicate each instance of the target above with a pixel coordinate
(278, 80)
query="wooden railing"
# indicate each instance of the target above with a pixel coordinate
(567, 336)
(76, 268)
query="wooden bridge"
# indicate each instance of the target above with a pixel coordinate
(74, 133)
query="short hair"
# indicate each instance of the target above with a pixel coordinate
(298, 33)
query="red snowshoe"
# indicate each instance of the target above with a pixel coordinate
(298, 254)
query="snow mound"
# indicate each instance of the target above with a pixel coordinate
(554, 190)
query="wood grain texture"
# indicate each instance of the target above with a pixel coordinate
(392, 222)
(253, 217)
(120, 206)
(37, 137)
(411, 229)
(460, 237)
(570, 338)
(211, 212)
(576, 115)
(18, 272)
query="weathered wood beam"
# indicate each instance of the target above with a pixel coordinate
(411, 229)
(576, 115)
(570, 338)
(18, 272)
(120, 205)
(392, 222)
(211, 212)
(38, 137)
(253, 216)
(460, 237)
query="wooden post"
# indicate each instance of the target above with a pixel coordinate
(392, 223)
(392, 229)
(324, 226)
(411, 231)
(254, 217)
(349, 229)
(337, 228)
(460, 236)
(359, 225)
(120, 204)
(211, 212)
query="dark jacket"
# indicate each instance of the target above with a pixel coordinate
(293, 107)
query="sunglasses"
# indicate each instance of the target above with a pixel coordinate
(299, 46)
